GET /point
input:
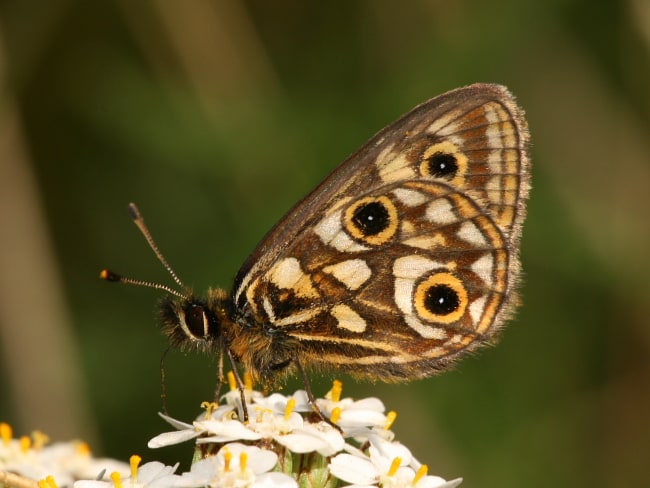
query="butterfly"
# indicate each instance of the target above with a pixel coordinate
(404, 259)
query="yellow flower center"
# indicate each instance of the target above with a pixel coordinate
(6, 433)
(421, 473)
(248, 381)
(134, 461)
(243, 462)
(39, 439)
(209, 407)
(335, 415)
(25, 443)
(83, 449)
(227, 458)
(394, 466)
(335, 393)
(291, 404)
(232, 382)
(116, 479)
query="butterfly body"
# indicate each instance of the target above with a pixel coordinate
(401, 261)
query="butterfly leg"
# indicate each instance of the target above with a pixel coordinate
(220, 376)
(311, 398)
(163, 382)
(240, 386)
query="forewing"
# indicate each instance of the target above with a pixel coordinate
(407, 254)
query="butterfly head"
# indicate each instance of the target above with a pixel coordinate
(195, 323)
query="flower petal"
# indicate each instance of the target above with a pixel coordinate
(259, 460)
(274, 480)
(178, 424)
(383, 452)
(437, 482)
(301, 443)
(371, 403)
(170, 438)
(352, 469)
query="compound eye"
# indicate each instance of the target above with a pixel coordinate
(195, 322)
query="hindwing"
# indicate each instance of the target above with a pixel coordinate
(407, 254)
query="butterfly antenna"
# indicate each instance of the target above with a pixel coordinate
(109, 275)
(139, 221)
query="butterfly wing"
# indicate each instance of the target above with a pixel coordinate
(406, 255)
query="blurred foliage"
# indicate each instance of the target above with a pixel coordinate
(216, 116)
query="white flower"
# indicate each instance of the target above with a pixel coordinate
(31, 457)
(236, 465)
(149, 475)
(368, 471)
(233, 397)
(220, 431)
(75, 459)
(183, 433)
(277, 402)
(387, 466)
(353, 417)
(277, 419)
(437, 482)
(355, 447)
(320, 437)
(384, 452)
(201, 426)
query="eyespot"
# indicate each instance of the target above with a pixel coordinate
(444, 160)
(194, 322)
(443, 165)
(372, 220)
(441, 298)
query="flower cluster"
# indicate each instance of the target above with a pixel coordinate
(286, 439)
(284, 443)
(33, 458)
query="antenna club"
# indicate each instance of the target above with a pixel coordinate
(134, 212)
(108, 275)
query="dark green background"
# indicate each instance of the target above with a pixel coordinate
(215, 117)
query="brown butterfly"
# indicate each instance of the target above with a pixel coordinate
(404, 259)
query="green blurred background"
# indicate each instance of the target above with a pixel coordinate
(216, 116)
